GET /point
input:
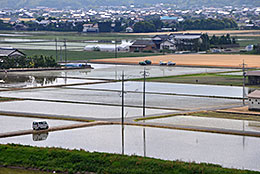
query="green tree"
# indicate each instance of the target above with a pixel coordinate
(144, 26)
(104, 26)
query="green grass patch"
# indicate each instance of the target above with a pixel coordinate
(5, 99)
(203, 78)
(86, 55)
(73, 161)
(226, 115)
(156, 117)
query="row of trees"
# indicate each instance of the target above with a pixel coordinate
(155, 24)
(27, 62)
(150, 24)
(222, 40)
(61, 26)
(207, 24)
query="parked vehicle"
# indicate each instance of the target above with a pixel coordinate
(142, 63)
(40, 125)
(148, 62)
(163, 63)
(170, 63)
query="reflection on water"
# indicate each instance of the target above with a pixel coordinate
(11, 80)
(226, 150)
(25, 81)
(40, 137)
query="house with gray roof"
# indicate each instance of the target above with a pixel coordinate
(143, 45)
(10, 52)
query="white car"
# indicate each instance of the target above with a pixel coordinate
(39, 125)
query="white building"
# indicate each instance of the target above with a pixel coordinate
(168, 45)
(254, 101)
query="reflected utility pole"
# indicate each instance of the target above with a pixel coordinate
(144, 142)
(123, 139)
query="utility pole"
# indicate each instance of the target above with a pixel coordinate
(56, 48)
(65, 46)
(115, 48)
(244, 81)
(144, 94)
(144, 73)
(122, 132)
(60, 53)
(123, 91)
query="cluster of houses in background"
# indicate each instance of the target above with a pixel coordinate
(173, 42)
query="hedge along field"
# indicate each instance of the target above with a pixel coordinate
(80, 161)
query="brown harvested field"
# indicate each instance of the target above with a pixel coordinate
(210, 32)
(213, 60)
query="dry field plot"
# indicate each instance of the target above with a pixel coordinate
(212, 60)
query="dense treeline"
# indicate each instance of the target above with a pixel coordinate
(207, 24)
(27, 62)
(4, 26)
(79, 161)
(154, 24)
(61, 26)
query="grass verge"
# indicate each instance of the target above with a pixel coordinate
(73, 161)
(226, 115)
(210, 114)
(5, 99)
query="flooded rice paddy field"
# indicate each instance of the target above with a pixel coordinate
(103, 102)
(114, 98)
(173, 88)
(71, 110)
(9, 124)
(209, 122)
(103, 71)
(226, 150)
(30, 81)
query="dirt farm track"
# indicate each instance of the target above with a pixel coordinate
(211, 60)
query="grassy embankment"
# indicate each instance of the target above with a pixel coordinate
(73, 161)
(209, 114)
(4, 99)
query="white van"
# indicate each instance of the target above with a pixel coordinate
(39, 125)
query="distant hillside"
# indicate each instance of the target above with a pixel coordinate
(87, 3)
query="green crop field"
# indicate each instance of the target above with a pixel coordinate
(86, 55)
(205, 78)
